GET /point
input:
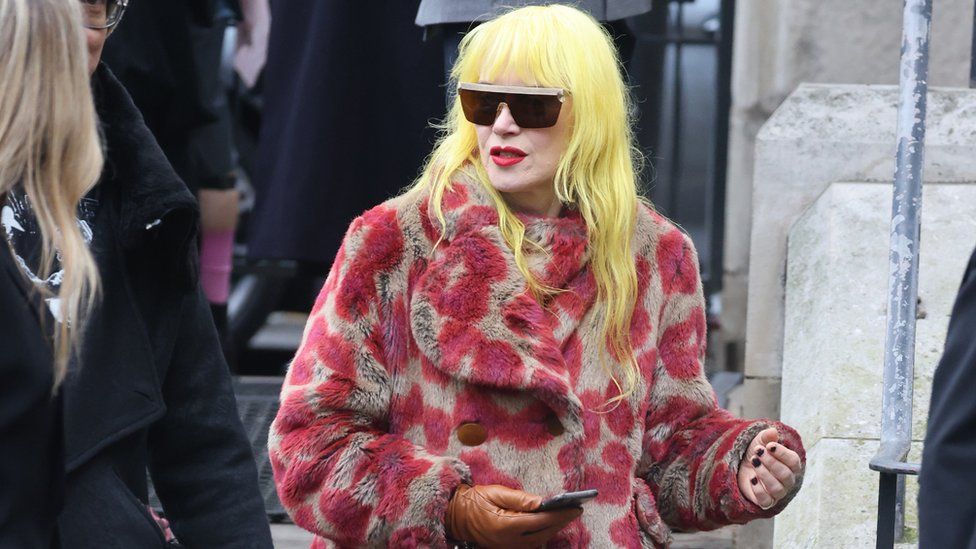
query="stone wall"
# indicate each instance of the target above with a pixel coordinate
(820, 135)
(835, 319)
(781, 43)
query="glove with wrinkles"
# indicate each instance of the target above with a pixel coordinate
(498, 516)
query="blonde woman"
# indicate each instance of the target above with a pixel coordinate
(49, 150)
(518, 325)
(149, 391)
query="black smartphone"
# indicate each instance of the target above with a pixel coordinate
(567, 499)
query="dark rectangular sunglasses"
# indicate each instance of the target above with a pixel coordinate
(530, 107)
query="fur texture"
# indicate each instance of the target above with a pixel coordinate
(407, 341)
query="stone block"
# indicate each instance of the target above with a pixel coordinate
(836, 301)
(821, 135)
(833, 355)
(755, 398)
(838, 504)
(781, 44)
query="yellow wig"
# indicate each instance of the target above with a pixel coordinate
(560, 47)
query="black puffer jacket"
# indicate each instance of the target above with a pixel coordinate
(152, 389)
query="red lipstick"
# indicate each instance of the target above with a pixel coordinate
(506, 156)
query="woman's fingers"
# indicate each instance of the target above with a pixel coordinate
(783, 454)
(769, 481)
(779, 470)
(761, 496)
(752, 487)
(769, 470)
(770, 434)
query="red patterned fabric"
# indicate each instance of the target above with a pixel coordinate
(409, 340)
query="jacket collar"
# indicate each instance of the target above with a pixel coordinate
(136, 170)
(472, 316)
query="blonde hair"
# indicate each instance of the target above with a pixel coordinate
(562, 47)
(49, 143)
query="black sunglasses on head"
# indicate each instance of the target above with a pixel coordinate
(530, 107)
(102, 14)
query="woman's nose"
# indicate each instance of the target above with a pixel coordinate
(504, 121)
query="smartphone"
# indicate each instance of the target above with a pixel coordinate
(566, 500)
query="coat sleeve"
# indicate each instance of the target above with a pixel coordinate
(339, 472)
(692, 448)
(200, 458)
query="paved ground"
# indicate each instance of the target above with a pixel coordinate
(289, 536)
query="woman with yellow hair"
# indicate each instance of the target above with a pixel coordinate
(517, 325)
(49, 151)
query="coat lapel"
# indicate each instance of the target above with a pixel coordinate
(472, 316)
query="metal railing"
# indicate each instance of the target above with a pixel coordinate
(671, 39)
(899, 364)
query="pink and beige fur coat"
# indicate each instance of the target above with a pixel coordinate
(409, 341)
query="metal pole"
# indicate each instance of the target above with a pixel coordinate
(896, 420)
(887, 495)
(972, 55)
(715, 206)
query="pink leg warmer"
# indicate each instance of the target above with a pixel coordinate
(216, 253)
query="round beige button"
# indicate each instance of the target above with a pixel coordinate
(471, 434)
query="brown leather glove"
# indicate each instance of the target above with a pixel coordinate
(497, 516)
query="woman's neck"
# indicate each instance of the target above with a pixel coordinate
(544, 205)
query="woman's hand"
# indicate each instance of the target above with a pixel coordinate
(768, 470)
(497, 516)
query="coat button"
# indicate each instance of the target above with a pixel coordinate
(471, 434)
(554, 427)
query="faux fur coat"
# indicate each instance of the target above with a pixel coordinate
(424, 366)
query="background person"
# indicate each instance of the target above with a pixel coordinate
(167, 55)
(150, 390)
(49, 152)
(517, 325)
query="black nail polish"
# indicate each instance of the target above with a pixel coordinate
(754, 481)
(772, 448)
(760, 452)
(756, 462)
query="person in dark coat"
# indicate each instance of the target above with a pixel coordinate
(46, 105)
(946, 505)
(151, 390)
(344, 81)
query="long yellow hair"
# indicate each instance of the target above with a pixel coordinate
(49, 143)
(561, 47)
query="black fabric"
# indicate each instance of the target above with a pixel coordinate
(31, 458)
(152, 389)
(167, 55)
(947, 483)
(349, 92)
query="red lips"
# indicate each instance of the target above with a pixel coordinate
(507, 156)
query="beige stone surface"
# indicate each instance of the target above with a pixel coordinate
(837, 506)
(821, 135)
(781, 43)
(836, 295)
(756, 398)
(836, 303)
